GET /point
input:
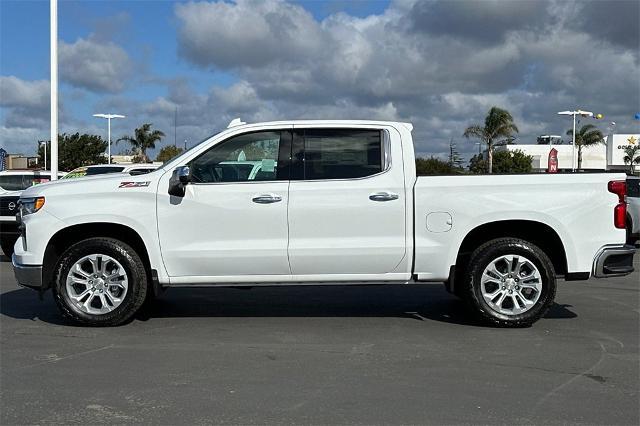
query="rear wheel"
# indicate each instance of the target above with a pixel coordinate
(100, 281)
(510, 282)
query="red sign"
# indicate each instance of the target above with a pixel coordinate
(553, 161)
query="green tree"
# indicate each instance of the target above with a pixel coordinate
(503, 162)
(434, 166)
(632, 156)
(143, 140)
(168, 152)
(588, 135)
(498, 128)
(75, 150)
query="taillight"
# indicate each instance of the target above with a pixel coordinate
(620, 216)
(619, 187)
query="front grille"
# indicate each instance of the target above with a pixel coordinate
(9, 205)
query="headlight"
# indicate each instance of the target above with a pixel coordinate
(30, 205)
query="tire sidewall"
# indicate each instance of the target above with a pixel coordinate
(493, 250)
(129, 260)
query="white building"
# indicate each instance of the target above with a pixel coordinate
(607, 156)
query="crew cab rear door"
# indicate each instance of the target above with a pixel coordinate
(347, 207)
(231, 223)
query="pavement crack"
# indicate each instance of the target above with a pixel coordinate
(73, 355)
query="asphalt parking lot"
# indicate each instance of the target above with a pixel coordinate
(323, 355)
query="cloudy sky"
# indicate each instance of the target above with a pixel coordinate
(438, 64)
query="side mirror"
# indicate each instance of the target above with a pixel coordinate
(180, 177)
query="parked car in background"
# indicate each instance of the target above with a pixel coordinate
(12, 183)
(333, 202)
(101, 169)
(633, 209)
(18, 180)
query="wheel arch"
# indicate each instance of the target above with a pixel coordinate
(66, 237)
(538, 233)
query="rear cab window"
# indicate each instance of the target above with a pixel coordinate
(321, 154)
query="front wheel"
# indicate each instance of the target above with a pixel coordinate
(100, 282)
(510, 282)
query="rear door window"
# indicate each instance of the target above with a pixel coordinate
(340, 153)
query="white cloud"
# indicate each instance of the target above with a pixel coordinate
(15, 92)
(98, 66)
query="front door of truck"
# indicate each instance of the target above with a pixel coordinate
(347, 206)
(232, 220)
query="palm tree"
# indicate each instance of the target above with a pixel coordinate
(588, 135)
(498, 129)
(632, 156)
(144, 139)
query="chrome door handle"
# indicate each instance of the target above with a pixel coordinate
(383, 196)
(266, 198)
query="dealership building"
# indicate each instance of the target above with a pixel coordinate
(608, 156)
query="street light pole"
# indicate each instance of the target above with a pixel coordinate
(53, 39)
(574, 113)
(109, 117)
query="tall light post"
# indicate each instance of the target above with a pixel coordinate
(574, 113)
(53, 43)
(109, 117)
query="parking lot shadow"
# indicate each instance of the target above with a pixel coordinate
(419, 302)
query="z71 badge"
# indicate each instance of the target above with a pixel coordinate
(133, 184)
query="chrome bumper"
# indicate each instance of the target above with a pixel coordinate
(27, 275)
(614, 261)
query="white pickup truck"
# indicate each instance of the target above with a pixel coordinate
(333, 202)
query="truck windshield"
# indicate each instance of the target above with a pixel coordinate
(21, 182)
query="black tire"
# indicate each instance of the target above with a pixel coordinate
(130, 261)
(492, 250)
(6, 244)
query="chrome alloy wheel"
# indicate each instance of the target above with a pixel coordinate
(97, 284)
(511, 284)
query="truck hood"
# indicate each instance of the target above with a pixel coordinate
(94, 184)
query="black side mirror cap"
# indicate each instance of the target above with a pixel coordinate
(180, 177)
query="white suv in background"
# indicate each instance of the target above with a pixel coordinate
(12, 183)
(19, 180)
